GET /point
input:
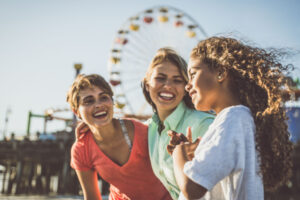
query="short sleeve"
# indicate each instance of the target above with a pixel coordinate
(217, 156)
(79, 157)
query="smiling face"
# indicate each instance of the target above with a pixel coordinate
(95, 107)
(203, 86)
(166, 87)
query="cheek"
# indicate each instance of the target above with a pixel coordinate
(82, 112)
(151, 88)
(204, 83)
(195, 83)
(181, 89)
(152, 84)
(110, 104)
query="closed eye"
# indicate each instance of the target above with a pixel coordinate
(88, 101)
(104, 98)
(178, 81)
(160, 78)
(192, 75)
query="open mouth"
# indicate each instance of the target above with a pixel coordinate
(100, 114)
(166, 96)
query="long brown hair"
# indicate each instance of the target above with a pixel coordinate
(256, 77)
(161, 56)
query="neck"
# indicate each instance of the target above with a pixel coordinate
(163, 114)
(228, 99)
(105, 133)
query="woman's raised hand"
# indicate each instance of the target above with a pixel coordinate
(185, 141)
(81, 128)
(177, 138)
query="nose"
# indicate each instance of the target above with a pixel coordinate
(168, 83)
(98, 103)
(188, 87)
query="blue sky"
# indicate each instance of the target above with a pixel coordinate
(41, 40)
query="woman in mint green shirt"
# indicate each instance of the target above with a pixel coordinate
(164, 89)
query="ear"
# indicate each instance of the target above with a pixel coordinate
(146, 86)
(222, 75)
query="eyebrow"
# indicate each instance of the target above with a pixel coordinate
(89, 96)
(176, 76)
(196, 67)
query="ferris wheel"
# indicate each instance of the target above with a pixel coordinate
(136, 43)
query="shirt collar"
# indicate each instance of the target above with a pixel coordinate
(155, 118)
(174, 118)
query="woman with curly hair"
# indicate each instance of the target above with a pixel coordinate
(247, 148)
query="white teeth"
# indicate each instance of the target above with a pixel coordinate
(100, 113)
(168, 95)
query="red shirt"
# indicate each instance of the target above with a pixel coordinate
(133, 180)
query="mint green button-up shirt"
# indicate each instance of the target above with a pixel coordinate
(178, 120)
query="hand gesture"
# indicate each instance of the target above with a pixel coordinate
(81, 128)
(177, 138)
(185, 144)
(188, 148)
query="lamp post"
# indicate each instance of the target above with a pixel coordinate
(77, 67)
(8, 111)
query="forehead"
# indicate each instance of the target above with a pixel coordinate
(166, 68)
(90, 91)
(194, 63)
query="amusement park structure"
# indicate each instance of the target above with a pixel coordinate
(42, 165)
(134, 46)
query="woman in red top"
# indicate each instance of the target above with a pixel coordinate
(117, 149)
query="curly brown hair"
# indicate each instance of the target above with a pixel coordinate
(256, 77)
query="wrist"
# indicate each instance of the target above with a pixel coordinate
(179, 156)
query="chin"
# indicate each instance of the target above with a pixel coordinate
(201, 107)
(101, 124)
(104, 122)
(168, 106)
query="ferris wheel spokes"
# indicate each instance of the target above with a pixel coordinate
(136, 43)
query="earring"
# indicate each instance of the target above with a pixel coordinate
(219, 77)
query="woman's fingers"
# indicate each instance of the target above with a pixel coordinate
(175, 140)
(175, 137)
(171, 133)
(189, 134)
(183, 138)
(196, 143)
(191, 147)
(170, 149)
(81, 128)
